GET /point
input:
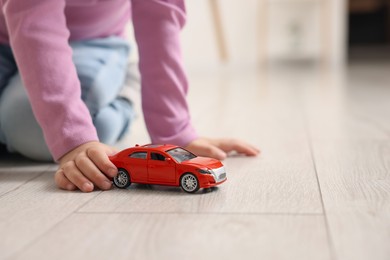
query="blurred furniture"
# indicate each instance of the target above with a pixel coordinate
(374, 13)
(219, 32)
(302, 30)
(296, 30)
(364, 5)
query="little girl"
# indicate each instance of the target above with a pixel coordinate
(62, 66)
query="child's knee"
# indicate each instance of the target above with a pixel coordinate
(97, 94)
(113, 121)
(101, 77)
(20, 130)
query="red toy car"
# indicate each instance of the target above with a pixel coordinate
(166, 165)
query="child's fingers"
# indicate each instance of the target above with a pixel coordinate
(73, 174)
(89, 169)
(100, 159)
(110, 150)
(215, 152)
(62, 182)
(239, 146)
(244, 148)
(210, 151)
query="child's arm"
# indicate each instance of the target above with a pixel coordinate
(157, 25)
(39, 40)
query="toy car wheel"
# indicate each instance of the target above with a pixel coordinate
(189, 183)
(122, 180)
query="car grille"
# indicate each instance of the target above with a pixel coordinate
(219, 174)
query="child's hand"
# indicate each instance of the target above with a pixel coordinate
(218, 148)
(86, 166)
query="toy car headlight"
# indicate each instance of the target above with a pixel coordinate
(204, 171)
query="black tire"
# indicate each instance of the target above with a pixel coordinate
(122, 179)
(189, 183)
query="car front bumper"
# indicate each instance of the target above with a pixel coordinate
(211, 184)
(217, 177)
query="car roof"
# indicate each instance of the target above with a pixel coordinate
(150, 147)
(159, 147)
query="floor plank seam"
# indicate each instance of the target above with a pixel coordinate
(85, 203)
(198, 213)
(373, 122)
(51, 228)
(332, 250)
(25, 182)
(31, 243)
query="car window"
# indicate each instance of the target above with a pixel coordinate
(180, 155)
(139, 155)
(157, 157)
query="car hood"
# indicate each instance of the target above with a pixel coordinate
(202, 162)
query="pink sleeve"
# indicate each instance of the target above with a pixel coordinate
(157, 25)
(39, 40)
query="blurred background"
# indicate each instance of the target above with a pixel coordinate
(262, 31)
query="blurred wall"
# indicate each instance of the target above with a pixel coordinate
(266, 30)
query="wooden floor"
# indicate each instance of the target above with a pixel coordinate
(319, 190)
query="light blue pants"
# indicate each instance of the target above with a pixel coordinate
(101, 67)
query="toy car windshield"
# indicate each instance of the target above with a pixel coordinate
(181, 155)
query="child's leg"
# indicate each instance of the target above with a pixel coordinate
(20, 131)
(7, 66)
(7, 70)
(16, 114)
(101, 67)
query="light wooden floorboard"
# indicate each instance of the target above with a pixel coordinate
(355, 184)
(29, 211)
(183, 236)
(349, 122)
(319, 190)
(11, 180)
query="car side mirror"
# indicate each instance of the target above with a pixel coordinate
(167, 159)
